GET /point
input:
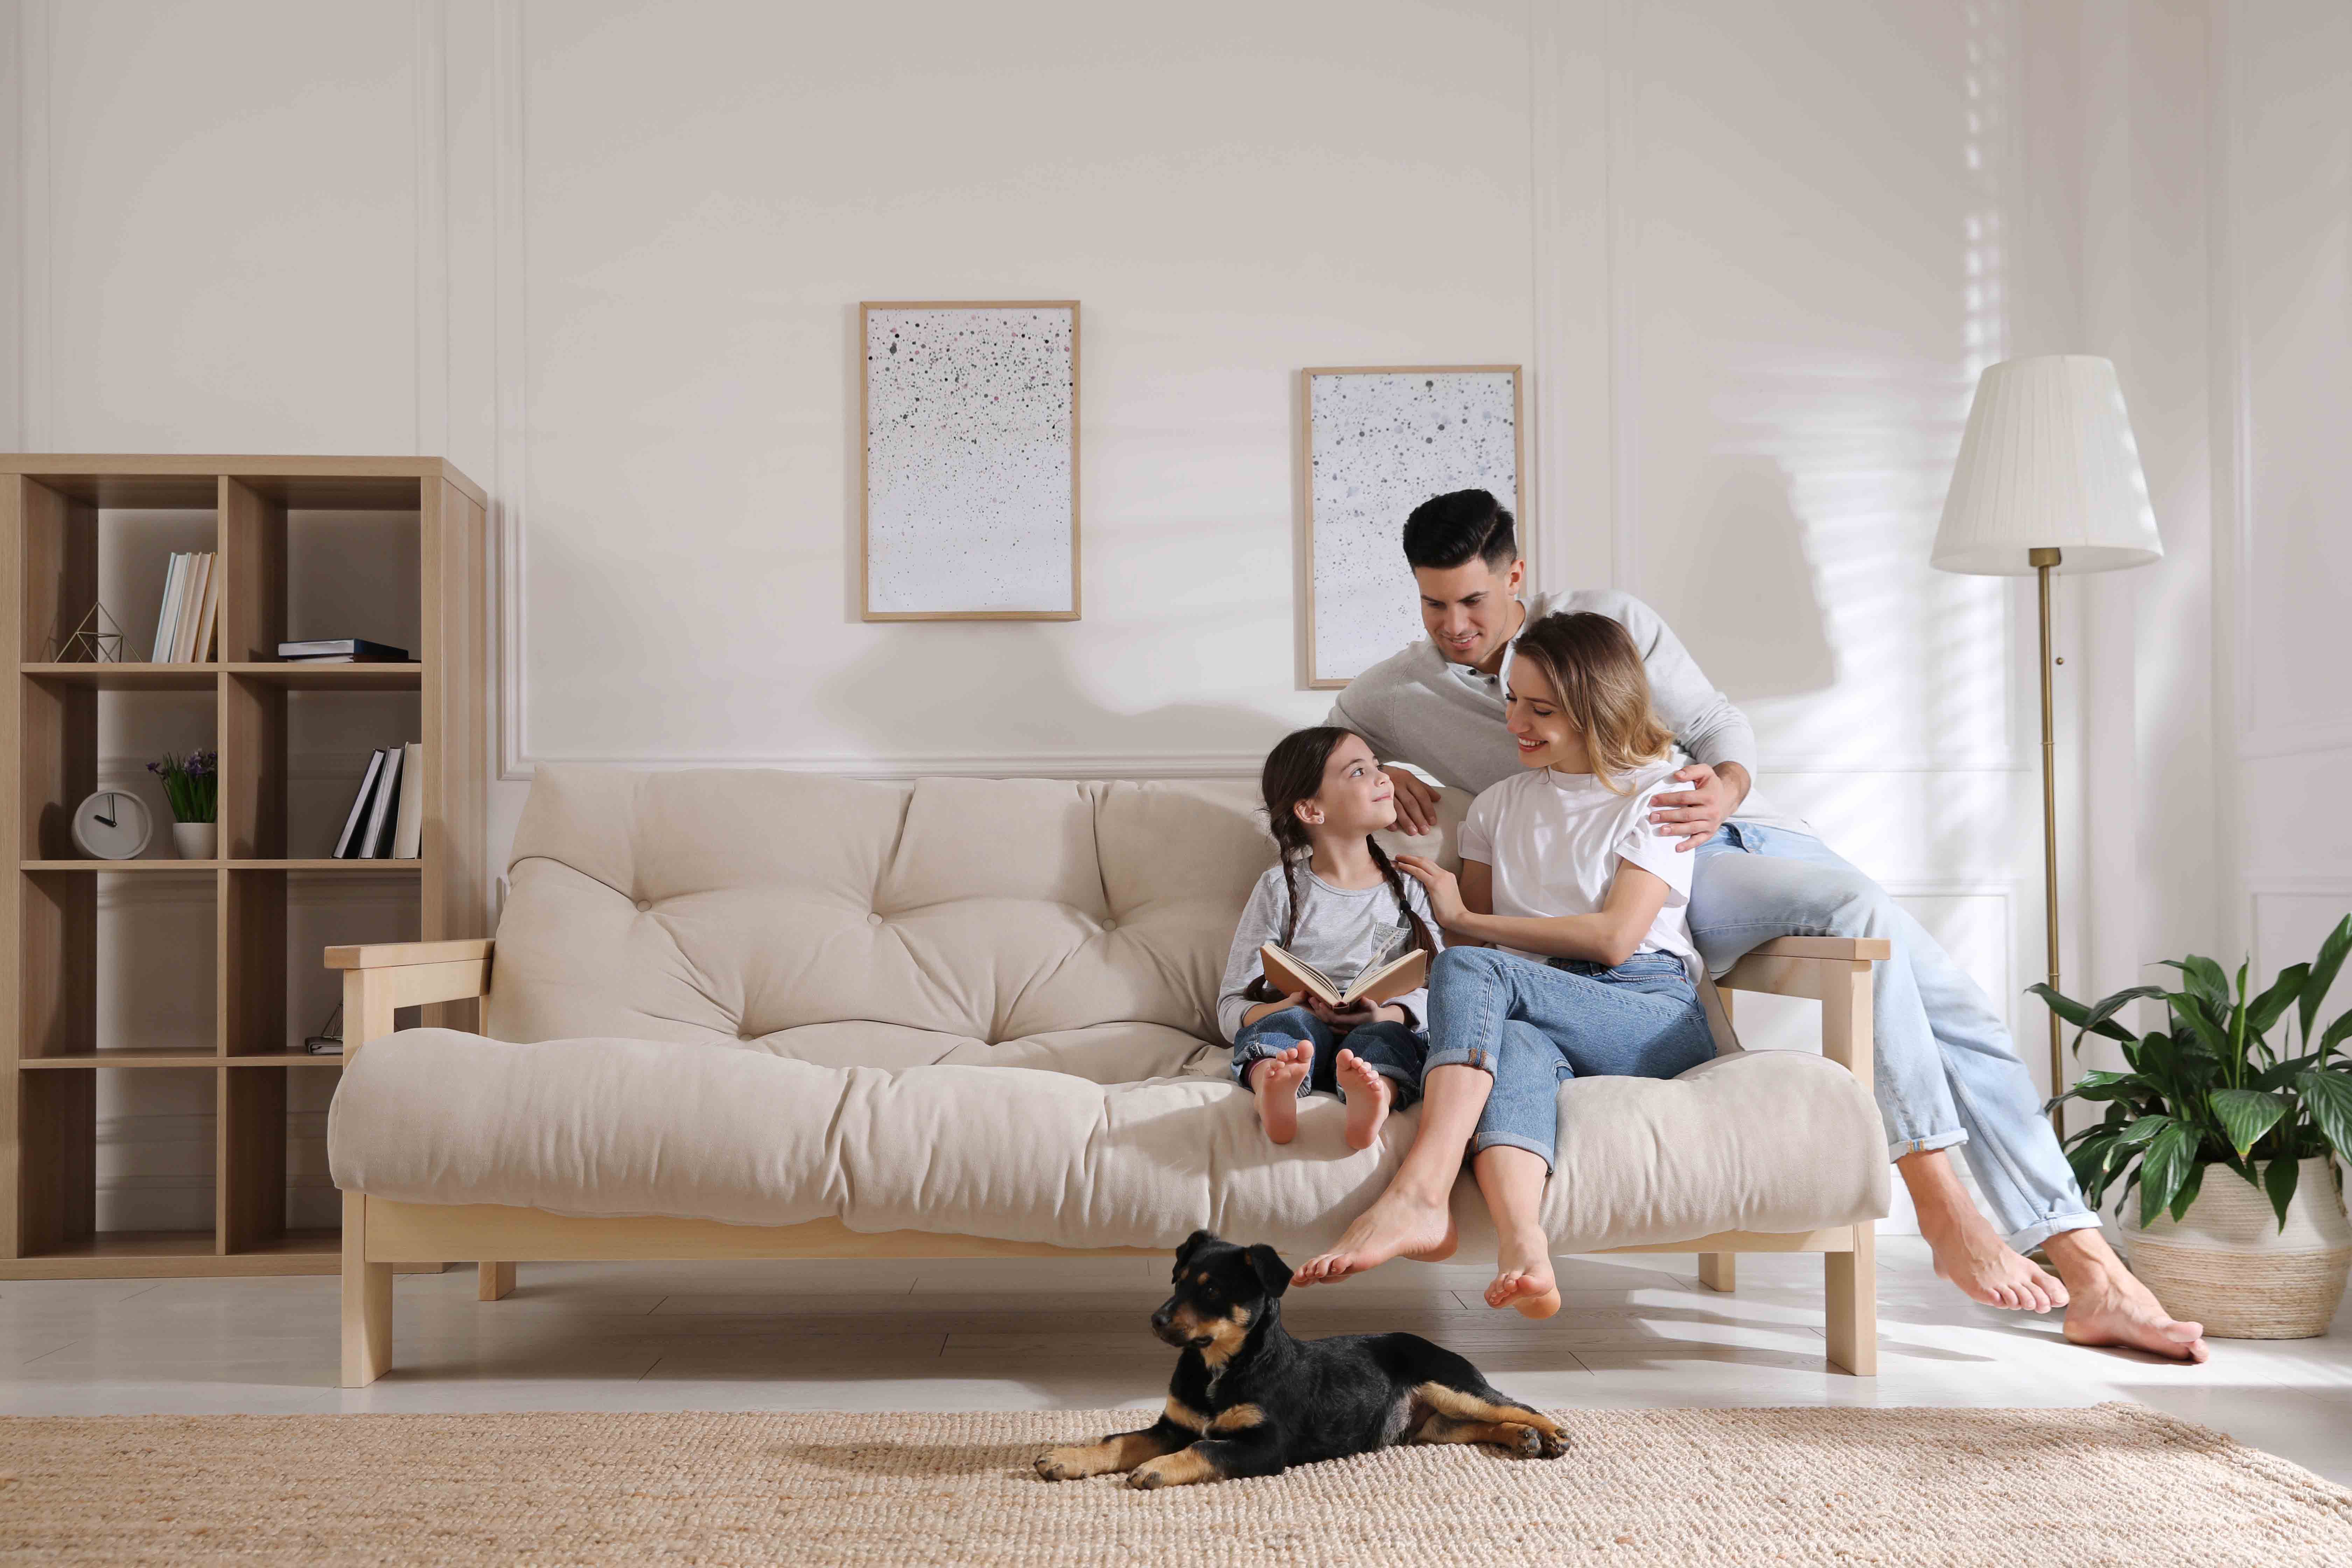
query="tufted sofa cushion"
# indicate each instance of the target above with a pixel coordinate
(961, 913)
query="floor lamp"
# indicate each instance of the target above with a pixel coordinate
(2049, 481)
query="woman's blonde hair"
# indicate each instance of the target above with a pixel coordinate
(1594, 667)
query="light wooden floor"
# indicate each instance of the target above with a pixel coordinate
(1025, 1335)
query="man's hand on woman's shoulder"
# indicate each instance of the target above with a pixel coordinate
(1691, 816)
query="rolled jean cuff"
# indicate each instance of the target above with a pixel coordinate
(2034, 1234)
(1899, 1148)
(1459, 1056)
(1486, 1140)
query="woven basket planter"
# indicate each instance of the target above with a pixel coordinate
(2229, 1266)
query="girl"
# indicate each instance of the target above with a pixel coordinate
(1591, 968)
(1345, 911)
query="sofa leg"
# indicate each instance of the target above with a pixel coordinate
(367, 1301)
(497, 1281)
(1850, 1303)
(1719, 1271)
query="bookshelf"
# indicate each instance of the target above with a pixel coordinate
(53, 514)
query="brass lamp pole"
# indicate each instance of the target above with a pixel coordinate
(2044, 560)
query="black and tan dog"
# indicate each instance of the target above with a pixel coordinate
(1249, 1400)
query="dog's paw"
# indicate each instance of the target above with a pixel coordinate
(1146, 1478)
(1535, 1443)
(1060, 1465)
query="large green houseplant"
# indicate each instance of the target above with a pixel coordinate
(2210, 1088)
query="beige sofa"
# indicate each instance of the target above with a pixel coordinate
(766, 1015)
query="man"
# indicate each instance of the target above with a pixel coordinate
(1945, 1074)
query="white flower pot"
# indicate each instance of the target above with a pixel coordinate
(197, 840)
(2228, 1264)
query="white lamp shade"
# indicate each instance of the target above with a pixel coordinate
(2048, 462)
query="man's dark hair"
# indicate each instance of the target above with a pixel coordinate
(1447, 530)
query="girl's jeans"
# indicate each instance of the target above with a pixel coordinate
(1534, 1026)
(1390, 1049)
(1945, 1072)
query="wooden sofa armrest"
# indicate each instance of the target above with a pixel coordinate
(1833, 971)
(1853, 948)
(395, 954)
(379, 977)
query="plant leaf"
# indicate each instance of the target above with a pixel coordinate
(2089, 1019)
(2140, 1131)
(2336, 1033)
(2245, 1114)
(2169, 1158)
(2187, 1195)
(2322, 974)
(2204, 977)
(2279, 1182)
(2265, 1008)
(2327, 1095)
(2101, 1084)
(2192, 1010)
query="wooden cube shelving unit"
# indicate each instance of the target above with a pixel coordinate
(50, 509)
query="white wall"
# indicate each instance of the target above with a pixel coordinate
(606, 258)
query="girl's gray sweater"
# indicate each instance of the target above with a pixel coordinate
(1341, 931)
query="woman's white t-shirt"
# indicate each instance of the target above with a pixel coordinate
(1555, 840)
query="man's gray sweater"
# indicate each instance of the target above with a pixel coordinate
(1447, 719)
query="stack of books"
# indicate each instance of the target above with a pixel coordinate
(387, 817)
(188, 624)
(341, 650)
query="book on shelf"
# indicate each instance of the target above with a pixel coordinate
(375, 839)
(208, 612)
(187, 624)
(408, 835)
(341, 650)
(1286, 973)
(167, 618)
(346, 846)
(324, 1047)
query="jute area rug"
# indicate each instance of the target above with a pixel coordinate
(2116, 1483)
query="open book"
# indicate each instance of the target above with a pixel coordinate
(1286, 973)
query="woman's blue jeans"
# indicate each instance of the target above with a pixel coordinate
(1533, 1027)
(1391, 1049)
(1945, 1072)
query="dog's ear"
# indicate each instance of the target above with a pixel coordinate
(1271, 1271)
(1192, 1244)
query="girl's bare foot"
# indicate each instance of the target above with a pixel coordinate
(1523, 1277)
(2111, 1307)
(1399, 1225)
(1369, 1094)
(1275, 1080)
(1968, 1252)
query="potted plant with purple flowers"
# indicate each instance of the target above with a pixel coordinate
(193, 786)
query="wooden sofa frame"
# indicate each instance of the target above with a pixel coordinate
(378, 1233)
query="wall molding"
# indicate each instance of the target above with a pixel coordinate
(432, 224)
(511, 347)
(36, 332)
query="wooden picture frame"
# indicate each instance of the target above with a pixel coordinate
(867, 575)
(1320, 679)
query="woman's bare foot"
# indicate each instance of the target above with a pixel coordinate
(1968, 1252)
(1398, 1225)
(2111, 1307)
(1274, 1080)
(1523, 1277)
(1369, 1094)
